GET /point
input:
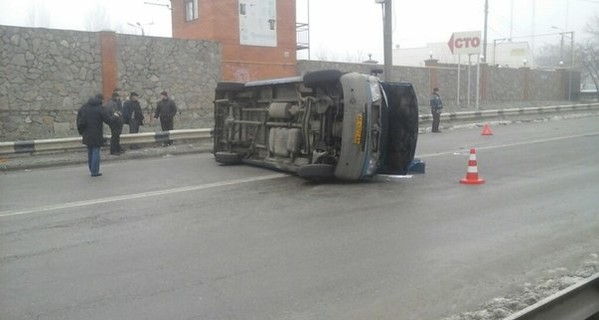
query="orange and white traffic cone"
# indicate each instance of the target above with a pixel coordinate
(472, 174)
(487, 130)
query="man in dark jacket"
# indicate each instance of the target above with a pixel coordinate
(436, 106)
(115, 109)
(89, 124)
(166, 109)
(132, 115)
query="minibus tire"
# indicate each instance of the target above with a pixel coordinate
(316, 78)
(316, 171)
(230, 86)
(227, 158)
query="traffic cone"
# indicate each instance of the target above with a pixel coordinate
(487, 130)
(472, 174)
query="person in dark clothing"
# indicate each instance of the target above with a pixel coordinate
(166, 109)
(116, 124)
(89, 124)
(132, 114)
(436, 106)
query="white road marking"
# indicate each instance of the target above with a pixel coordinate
(509, 145)
(69, 205)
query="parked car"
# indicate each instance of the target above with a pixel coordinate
(325, 124)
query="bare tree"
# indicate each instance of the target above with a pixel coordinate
(38, 15)
(98, 19)
(551, 56)
(588, 53)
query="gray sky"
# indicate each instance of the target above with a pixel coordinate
(344, 30)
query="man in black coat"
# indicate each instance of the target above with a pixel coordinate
(116, 124)
(132, 114)
(166, 109)
(90, 119)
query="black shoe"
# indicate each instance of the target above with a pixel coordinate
(437, 131)
(96, 174)
(115, 153)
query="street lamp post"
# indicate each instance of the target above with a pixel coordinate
(563, 35)
(387, 37)
(139, 26)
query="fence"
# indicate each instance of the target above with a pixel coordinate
(205, 135)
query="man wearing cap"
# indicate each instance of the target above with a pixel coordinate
(115, 109)
(436, 106)
(166, 110)
(132, 114)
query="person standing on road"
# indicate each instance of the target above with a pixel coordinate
(436, 106)
(132, 114)
(166, 109)
(89, 124)
(115, 109)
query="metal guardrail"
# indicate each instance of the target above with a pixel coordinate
(204, 135)
(578, 302)
(466, 115)
(74, 143)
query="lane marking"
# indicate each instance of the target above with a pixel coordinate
(508, 145)
(239, 181)
(92, 202)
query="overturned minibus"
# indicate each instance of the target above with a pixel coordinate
(325, 124)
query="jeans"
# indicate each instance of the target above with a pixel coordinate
(436, 119)
(167, 124)
(115, 137)
(93, 159)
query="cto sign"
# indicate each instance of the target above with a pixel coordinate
(465, 42)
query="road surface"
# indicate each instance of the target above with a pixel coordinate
(184, 238)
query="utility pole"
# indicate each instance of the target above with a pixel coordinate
(485, 36)
(388, 38)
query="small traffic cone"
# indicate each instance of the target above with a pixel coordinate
(472, 174)
(487, 130)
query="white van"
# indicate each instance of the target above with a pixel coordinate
(326, 124)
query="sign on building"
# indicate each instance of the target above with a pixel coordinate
(258, 23)
(465, 43)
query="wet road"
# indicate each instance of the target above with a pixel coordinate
(184, 238)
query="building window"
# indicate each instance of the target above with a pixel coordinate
(191, 10)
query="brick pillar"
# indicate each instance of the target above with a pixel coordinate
(526, 86)
(433, 73)
(484, 81)
(108, 47)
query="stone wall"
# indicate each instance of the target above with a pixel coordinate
(187, 69)
(46, 75)
(500, 87)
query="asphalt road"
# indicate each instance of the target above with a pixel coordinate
(184, 238)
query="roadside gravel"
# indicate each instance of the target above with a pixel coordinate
(556, 280)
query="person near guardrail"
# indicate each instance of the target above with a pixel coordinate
(166, 109)
(132, 115)
(116, 124)
(436, 107)
(90, 119)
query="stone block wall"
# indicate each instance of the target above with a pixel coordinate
(187, 69)
(500, 87)
(46, 75)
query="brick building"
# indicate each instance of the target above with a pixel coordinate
(257, 37)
